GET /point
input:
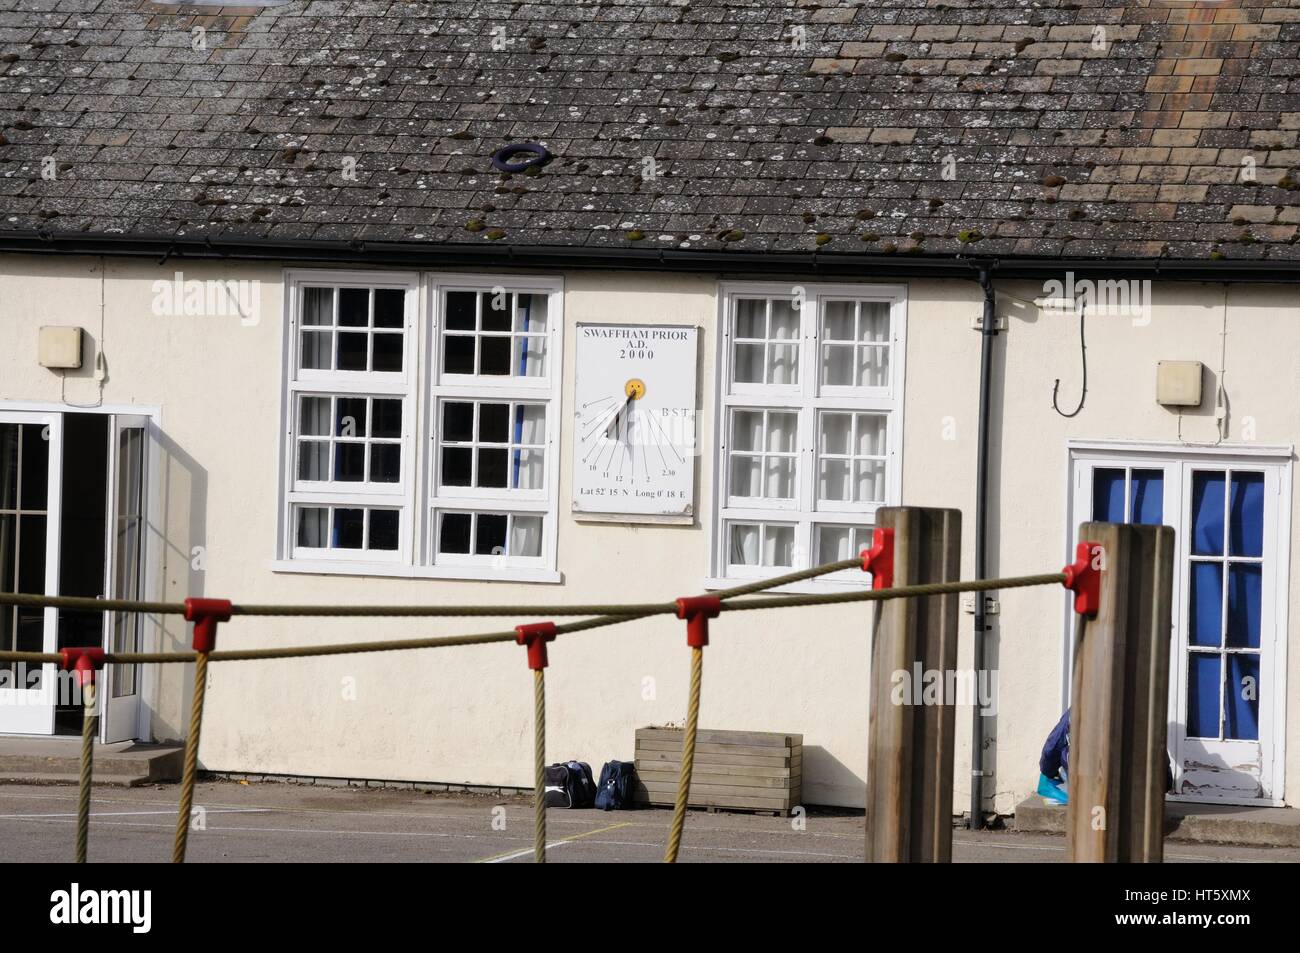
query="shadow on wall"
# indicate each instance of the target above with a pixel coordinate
(179, 538)
(828, 780)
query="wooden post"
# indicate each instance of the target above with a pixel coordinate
(909, 764)
(1119, 702)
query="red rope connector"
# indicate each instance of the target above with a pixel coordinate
(879, 559)
(1083, 578)
(83, 662)
(205, 614)
(697, 611)
(535, 635)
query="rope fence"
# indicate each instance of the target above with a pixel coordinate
(696, 611)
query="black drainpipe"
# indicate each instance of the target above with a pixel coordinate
(988, 331)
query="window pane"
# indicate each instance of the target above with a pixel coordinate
(785, 320)
(1247, 529)
(348, 527)
(316, 350)
(493, 423)
(1203, 680)
(383, 529)
(782, 432)
(871, 435)
(385, 463)
(313, 527)
(837, 365)
(1207, 512)
(457, 421)
(496, 312)
(1147, 492)
(743, 545)
(1244, 590)
(837, 321)
(1206, 607)
(490, 535)
(531, 313)
(461, 310)
(530, 356)
(492, 468)
(390, 304)
(354, 307)
(747, 430)
(748, 365)
(318, 306)
(457, 463)
(834, 543)
(1108, 495)
(526, 536)
(494, 356)
(35, 465)
(837, 433)
(458, 354)
(783, 363)
(779, 482)
(387, 418)
(751, 318)
(834, 480)
(530, 424)
(352, 350)
(778, 545)
(526, 468)
(313, 460)
(746, 475)
(387, 352)
(350, 462)
(453, 534)
(873, 322)
(1241, 697)
(314, 416)
(873, 366)
(350, 420)
(869, 481)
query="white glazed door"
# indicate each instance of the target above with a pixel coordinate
(31, 448)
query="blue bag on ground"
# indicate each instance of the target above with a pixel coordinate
(614, 792)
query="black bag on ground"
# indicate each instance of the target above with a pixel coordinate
(614, 792)
(570, 784)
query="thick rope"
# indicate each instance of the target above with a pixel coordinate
(484, 638)
(89, 729)
(191, 758)
(688, 757)
(539, 757)
(82, 603)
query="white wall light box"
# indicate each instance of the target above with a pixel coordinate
(1178, 383)
(60, 348)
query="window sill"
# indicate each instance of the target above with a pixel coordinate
(807, 587)
(397, 571)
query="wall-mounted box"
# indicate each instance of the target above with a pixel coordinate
(1178, 383)
(60, 348)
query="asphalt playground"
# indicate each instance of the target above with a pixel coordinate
(276, 822)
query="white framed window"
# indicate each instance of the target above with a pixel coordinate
(421, 418)
(809, 423)
(350, 417)
(493, 467)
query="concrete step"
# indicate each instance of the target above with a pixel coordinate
(1190, 823)
(58, 760)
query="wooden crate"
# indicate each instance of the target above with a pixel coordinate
(741, 770)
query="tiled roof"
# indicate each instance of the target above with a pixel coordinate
(1093, 128)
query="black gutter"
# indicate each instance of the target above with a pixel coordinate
(988, 331)
(429, 255)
